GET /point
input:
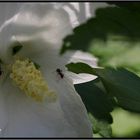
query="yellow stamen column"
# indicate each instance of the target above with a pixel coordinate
(29, 79)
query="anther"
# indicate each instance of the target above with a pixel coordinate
(29, 79)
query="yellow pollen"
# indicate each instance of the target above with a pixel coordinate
(30, 80)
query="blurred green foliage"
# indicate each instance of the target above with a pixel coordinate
(113, 36)
(126, 124)
(101, 127)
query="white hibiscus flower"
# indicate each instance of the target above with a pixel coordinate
(40, 101)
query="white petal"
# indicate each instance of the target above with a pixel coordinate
(7, 10)
(68, 116)
(27, 118)
(54, 61)
(80, 78)
(43, 19)
(35, 23)
(3, 114)
(74, 110)
(84, 57)
(71, 104)
(65, 118)
(79, 56)
(80, 12)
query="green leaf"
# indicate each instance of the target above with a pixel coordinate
(132, 6)
(103, 128)
(81, 68)
(124, 86)
(120, 83)
(97, 102)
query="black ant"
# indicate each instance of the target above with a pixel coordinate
(59, 71)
